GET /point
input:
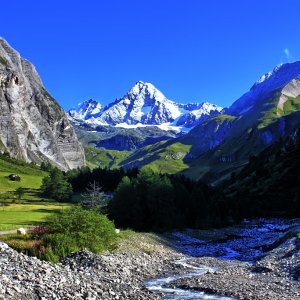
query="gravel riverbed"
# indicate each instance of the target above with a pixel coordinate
(83, 275)
(272, 272)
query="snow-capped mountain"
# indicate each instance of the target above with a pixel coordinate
(265, 86)
(86, 110)
(144, 105)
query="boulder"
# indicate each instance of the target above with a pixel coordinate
(21, 231)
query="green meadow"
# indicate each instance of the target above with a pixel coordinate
(29, 210)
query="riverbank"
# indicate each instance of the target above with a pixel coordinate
(262, 262)
(84, 275)
(236, 257)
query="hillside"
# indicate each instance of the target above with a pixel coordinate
(221, 144)
(270, 181)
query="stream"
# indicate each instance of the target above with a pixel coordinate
(158, 285)
(242, 243)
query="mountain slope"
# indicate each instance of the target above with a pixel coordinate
(270, 181)
(264, 87)
(142, 117)
(33, 127)
(223, 143)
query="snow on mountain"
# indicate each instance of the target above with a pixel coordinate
(144, 105)
(265, 86)
(197, 113)
(86, 110)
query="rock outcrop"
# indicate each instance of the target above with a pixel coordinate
(33, 127)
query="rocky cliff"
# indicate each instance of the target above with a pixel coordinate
(33, 127)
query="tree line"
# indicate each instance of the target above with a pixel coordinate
(268, 186)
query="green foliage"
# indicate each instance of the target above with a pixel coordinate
(46, 166)
(291, 105)
(75, 229)
(56, 186)
(97, 157)
(158, 202)
(20, 192)
(269, 184)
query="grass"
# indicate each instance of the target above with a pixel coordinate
(21, 243)
(31, 209)
(27, 182)
(96, 157)
(291, 105)
(171, 160)
(163, 157)
(16, 215)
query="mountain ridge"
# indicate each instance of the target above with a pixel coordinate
(144, 104)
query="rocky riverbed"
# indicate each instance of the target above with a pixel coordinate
(84, 275)
(259, 260)
(255, 260)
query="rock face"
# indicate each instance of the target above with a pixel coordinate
(33, 127)
(117, 138)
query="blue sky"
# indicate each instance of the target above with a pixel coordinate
(192, 50)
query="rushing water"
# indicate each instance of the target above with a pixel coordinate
(244, 248)
(158, 285)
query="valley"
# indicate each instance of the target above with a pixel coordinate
(258, 259)
(161, 135)
(147, 197)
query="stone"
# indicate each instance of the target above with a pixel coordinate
(22, 231)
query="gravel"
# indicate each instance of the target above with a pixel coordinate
(82, 275)
(121, 275)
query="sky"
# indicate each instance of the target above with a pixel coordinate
(191, 50)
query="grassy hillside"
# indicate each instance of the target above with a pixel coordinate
(31, 209)
(97, 157)
(27, 214)
(31, 175)
(270, 181)
(164, 157)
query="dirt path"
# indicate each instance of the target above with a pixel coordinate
(10, 231)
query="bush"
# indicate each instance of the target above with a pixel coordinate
(75, 229)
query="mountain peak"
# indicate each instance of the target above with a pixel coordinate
(86, 109)
(268, 75)
(145, 90)
(265, 86)
(144, 105)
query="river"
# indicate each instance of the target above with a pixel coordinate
(242, 243)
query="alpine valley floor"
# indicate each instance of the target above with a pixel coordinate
(258, 259)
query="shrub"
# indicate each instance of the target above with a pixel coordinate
(77, 228)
